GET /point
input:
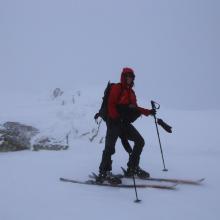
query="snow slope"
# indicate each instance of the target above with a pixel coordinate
(30, 186)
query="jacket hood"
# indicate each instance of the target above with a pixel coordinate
(125, 72)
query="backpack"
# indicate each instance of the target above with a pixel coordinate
(127, 114)
(103, 111)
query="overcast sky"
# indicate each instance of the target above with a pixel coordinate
(173, 46)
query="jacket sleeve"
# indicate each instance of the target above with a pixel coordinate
(144, 111)
(113, 101)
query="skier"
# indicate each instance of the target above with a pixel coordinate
(122, 110)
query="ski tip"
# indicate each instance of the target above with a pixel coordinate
(201, 180)
(197, 182)
(63, 179)
(171, 187)
(94, 174)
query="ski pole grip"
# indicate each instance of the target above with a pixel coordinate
(155, 105)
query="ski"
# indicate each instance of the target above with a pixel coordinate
(179, 181)
(172, 180)
(93, 182)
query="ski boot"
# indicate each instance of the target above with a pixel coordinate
(109, 177)
(112, 179)
(101, 177)
(142, 174)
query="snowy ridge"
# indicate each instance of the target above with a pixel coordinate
(69, 115)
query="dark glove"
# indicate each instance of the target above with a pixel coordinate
(153, 111)
(164, 125)
(96, 116)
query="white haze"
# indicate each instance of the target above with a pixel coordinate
(78, 45)
(172, 45)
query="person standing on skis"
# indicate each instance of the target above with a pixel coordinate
(122, 110)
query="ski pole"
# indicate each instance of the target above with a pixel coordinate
(153, 104)
(135, 187)
(137, 200)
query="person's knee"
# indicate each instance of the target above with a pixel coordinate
(141, 142)
(109, 151)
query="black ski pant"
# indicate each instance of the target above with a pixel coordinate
(125, 130)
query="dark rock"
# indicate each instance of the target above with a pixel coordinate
(57, 92)
(15, 136)
(45, 143)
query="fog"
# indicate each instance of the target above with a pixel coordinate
(172, 45)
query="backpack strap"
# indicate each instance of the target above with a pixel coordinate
(120, 94)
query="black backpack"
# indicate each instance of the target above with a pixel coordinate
(103, 111)
(127, 114)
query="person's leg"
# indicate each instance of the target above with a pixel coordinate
(126, 144)
(134, 135)
(134, 159)
(110, 141)
(113, 131)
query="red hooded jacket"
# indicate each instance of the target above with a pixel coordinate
(123, 94)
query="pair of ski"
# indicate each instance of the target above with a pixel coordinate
(158, 183)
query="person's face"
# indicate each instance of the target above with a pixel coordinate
(129, 79)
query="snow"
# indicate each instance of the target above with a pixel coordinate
(173, 46)
(30, 186)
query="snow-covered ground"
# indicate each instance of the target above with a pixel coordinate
(30, 186)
